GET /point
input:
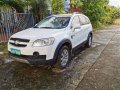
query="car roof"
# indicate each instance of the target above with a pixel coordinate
(67, 15)
(63, 15)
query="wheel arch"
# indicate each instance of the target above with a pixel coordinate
(91, 33)
(66, 42)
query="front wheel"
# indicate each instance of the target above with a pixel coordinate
(63, 57)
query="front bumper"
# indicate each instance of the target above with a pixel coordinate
(29, 51)
(40, 60)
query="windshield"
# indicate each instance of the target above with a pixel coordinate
(53, 22)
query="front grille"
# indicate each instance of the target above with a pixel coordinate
(19, 42)
(18, 45)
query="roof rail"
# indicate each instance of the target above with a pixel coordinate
(75, 12)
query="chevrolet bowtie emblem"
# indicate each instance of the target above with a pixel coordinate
(16, 42)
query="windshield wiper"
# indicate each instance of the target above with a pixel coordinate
(45, 27)
(35, 27)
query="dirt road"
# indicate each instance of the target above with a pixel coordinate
(105, 73)
(96, 68)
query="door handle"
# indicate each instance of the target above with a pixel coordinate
(77, 28)
(72, 36)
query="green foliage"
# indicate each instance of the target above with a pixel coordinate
(78, 3)
(94, 9)
(99, 12)
(3, 46)
(2, 3)
(98, 25)
(111, 13)
(107, 19)
(57, 6)
(16, 4)
(115, 12)
(39, 8)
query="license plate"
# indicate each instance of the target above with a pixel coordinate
(15, 51)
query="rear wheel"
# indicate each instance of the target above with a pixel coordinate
(89, 41)
(63, 57)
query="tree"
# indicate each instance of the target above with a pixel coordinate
(16, 4)
(95, 10)
(78, 3)
(39, 8)
(57, 6)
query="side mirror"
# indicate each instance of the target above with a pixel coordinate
(71, 27)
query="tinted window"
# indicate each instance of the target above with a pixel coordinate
(87, 20)
(76, 21)
(84, 20)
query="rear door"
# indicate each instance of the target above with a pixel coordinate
(76, 34)
(85, 27)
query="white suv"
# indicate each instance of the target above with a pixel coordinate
(52, 40)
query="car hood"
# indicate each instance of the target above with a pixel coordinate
(37, 33)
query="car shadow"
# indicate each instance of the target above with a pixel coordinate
(24, 76)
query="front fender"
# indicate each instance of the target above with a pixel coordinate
(59, 46)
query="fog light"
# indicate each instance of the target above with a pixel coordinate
(35, 54)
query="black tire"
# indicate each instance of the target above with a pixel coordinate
(89, 41)
(59, 64)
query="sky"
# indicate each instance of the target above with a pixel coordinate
(115, 3)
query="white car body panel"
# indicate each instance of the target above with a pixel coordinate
(79, 35)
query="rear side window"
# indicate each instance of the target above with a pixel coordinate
(76, 21)
(87, 20)
(84, 20)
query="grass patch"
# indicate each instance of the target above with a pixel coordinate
(3, 47)
(116, 22)
(3, 50)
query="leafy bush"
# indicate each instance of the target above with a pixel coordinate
(107, 19)
(99, 12)
(57, 6)
(115, 12)
(116, 22)
(94, 9)
(111, 13)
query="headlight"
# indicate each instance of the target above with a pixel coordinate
(43, 42)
